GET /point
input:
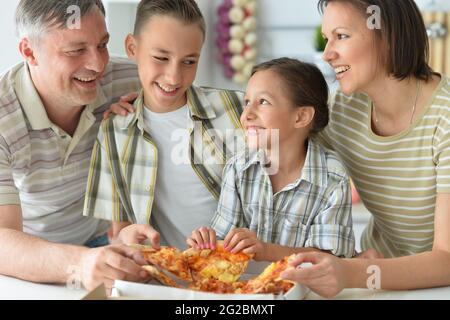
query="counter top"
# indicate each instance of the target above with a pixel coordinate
(15, 289)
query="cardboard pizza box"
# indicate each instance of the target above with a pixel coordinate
(125, 290)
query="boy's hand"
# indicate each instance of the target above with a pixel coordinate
(202, 238)
(138, 233)
(242, 239)
(123, 106)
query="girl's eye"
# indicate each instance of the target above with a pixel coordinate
(263, 101)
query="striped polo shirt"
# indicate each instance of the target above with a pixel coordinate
(313, 211)
(398, 176)
(42, 168)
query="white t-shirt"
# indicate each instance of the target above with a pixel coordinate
(182, 203)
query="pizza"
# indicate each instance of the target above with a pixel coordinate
(217, 264)
(160, 276)
(216, 271)
(170, 259)
(269, 281)
(216, 286)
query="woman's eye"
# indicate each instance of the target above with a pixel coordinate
(161, 58)
(341, 36)
(190, 62)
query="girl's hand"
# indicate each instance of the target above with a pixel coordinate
(326, 276)
(202, 238)
(245, 240)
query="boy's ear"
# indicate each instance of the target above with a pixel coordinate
(130, 46)
(304, 116)
(27, 51)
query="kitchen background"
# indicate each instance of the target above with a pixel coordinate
(285, 28)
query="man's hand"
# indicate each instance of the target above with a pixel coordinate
(109, 263)
(123, 106)
(242, 239)
(202, 238)
(138, 233)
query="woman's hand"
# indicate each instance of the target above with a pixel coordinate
(123, 106)
(327, 276)
(202, 238)
(369, 254)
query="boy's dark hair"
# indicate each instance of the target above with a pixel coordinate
(402, 33)
(184, 10)
(305, 85)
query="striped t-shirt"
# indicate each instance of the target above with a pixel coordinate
(42, 168)
(398, 176)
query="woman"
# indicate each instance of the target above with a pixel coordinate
(390, 124)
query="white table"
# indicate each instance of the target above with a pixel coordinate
(14, 289)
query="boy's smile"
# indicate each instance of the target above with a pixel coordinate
(167, 51)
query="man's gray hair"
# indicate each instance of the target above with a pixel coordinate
(34, 17)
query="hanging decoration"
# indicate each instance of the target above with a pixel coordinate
(237, 39)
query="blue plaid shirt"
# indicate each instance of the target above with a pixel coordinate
(314, 211)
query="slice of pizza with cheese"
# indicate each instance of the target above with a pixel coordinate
(217, 264)
(168, 258)
(160, 276)
(269, 281)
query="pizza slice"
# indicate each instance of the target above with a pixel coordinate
(160, 276)
(269, 281)
(170, 259)
(217, 264)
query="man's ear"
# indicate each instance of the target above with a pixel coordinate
(304, 117)
(27, 50)
(130, 46)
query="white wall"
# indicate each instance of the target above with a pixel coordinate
(294, 19)
(9, 53)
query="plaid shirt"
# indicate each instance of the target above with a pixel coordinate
(314, 211)
(124, 162)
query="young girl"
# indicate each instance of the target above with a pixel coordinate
(288, 194)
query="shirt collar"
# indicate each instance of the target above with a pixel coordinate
(314, 170)
(198, 105)
(32, 104)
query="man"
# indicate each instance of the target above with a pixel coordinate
(50, 109)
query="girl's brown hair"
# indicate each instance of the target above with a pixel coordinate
(305, 86)
(402, 33)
